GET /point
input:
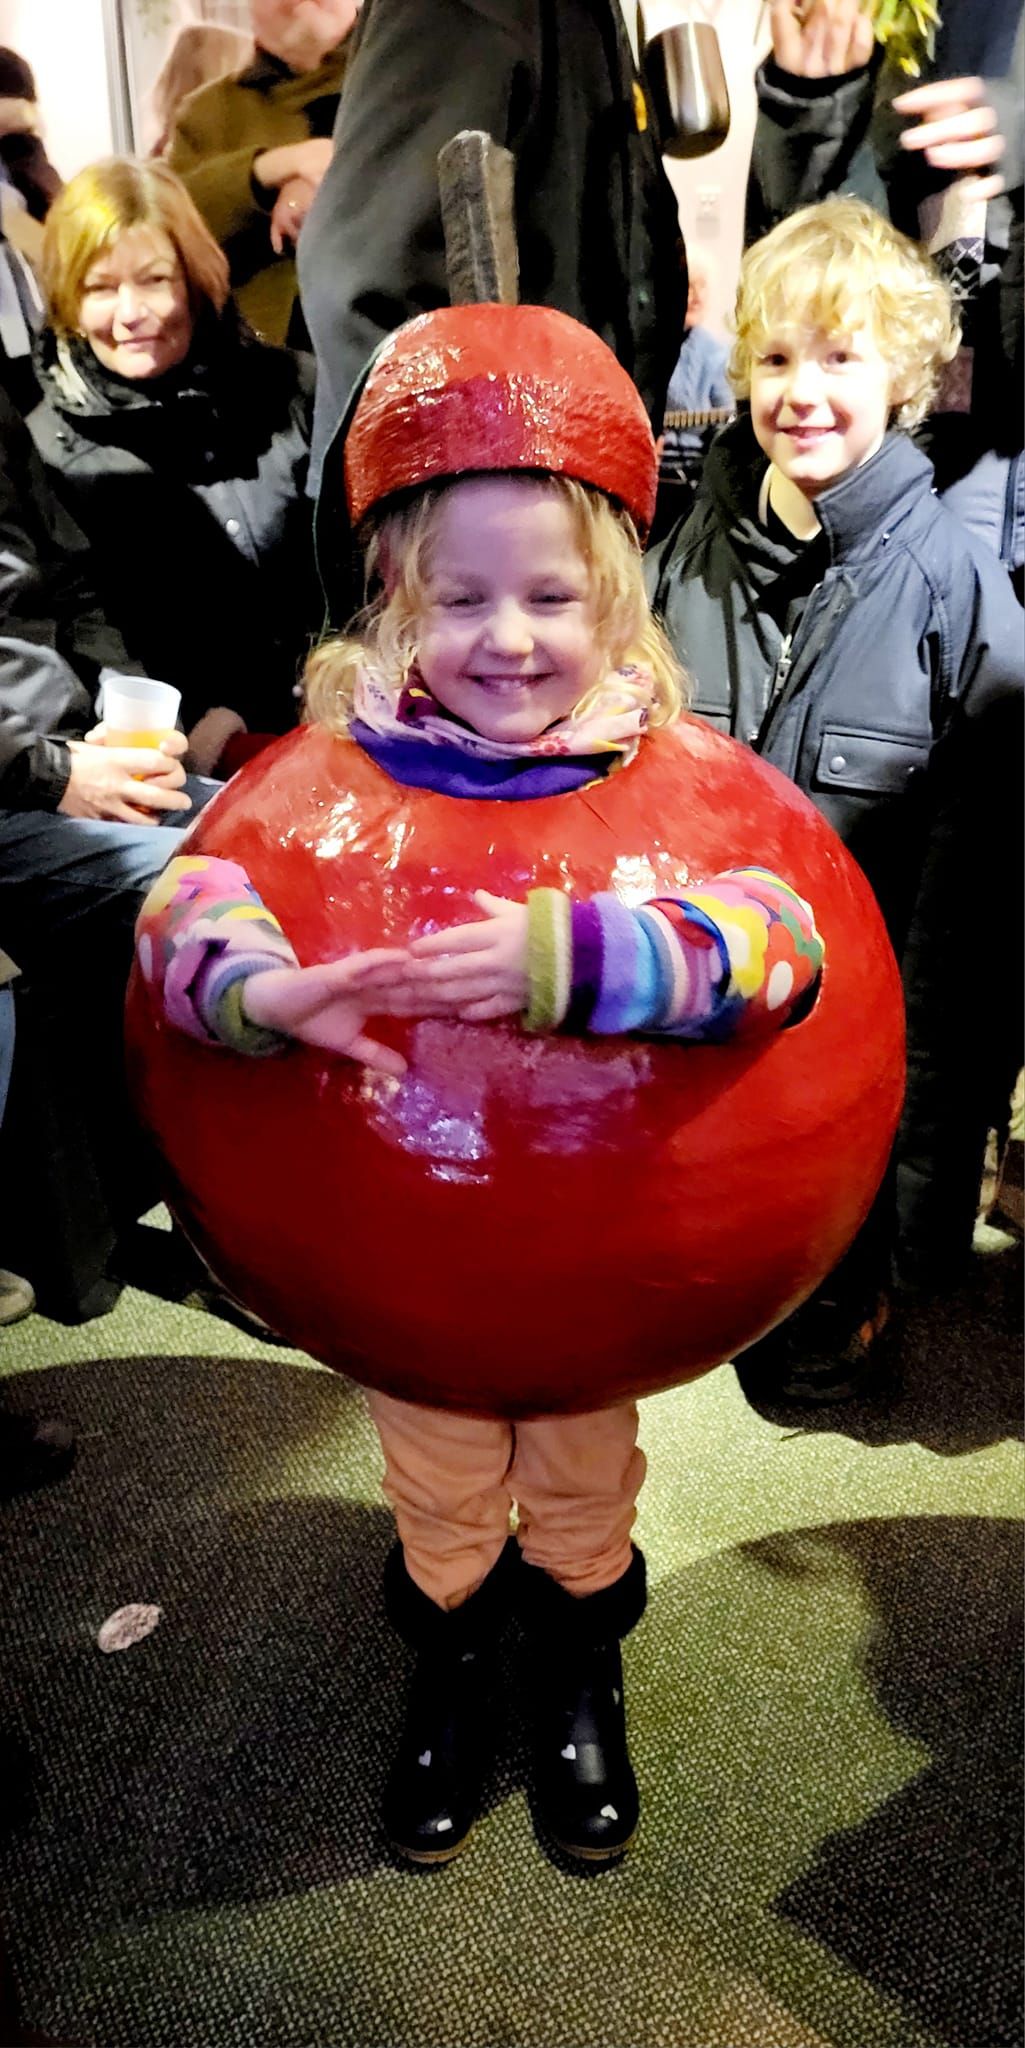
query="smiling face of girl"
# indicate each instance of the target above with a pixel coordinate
(508, 640)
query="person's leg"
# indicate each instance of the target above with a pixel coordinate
(199, 789)
(842, 1343)
(67, 879)
(70, 891)
(447, 1592)
(576, 1479)
(17, 1298)
(34, 1449)
(446, 1477)
(6, 1042)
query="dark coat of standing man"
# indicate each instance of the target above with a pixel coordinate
(596, 219)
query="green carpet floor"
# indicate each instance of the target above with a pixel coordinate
(824, 1699)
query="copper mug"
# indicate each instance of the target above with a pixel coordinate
(683, 69)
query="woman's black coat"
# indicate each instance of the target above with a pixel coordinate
(191, 491)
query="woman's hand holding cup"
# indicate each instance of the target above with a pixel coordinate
(126, 784)
(130, 765)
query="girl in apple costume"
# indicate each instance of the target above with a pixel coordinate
(500, 468)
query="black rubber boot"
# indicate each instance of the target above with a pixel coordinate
(433, 1791)
(584, 1787)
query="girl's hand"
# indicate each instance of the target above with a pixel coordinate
(476, 971)
(328, 1005)
(822, 38)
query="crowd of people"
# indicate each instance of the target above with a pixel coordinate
(186, 355)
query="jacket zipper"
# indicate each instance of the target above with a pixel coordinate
(780, 674)
(784, 663)
(819, 607)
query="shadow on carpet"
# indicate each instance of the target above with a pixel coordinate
(826, 1726)
(924, 1898)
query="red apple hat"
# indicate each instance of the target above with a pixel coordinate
(473, 388)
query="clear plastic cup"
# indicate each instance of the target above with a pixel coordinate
(136, 711)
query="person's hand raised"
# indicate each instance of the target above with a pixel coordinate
(822, 39)
(956, 129)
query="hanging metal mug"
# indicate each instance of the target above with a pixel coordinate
(683, 69)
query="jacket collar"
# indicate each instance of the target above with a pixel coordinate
(880, 494)
(266, 70)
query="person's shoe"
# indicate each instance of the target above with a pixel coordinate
(820, 1356)
(433, 1792)
(585, 1792)
(17, 1297)
(35, 1450)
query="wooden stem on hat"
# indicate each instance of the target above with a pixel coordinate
(476, 179)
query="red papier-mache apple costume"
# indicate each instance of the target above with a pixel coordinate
(523, 1226)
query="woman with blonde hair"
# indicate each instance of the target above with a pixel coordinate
(179, 444)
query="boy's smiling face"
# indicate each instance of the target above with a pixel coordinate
(820, 403)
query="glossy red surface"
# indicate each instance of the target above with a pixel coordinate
(527, 1224)
(499, 387)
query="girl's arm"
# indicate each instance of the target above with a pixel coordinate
(225, 972)
(201, 933)
(732, 958)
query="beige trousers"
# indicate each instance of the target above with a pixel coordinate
(452, 1480)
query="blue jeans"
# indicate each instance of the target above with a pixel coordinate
(70, 880)
(6, 1043)
(75, 1170)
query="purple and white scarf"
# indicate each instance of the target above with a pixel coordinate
(611, 718)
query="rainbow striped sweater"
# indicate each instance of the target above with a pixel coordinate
(737, 955)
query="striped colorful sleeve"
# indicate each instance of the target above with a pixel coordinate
(201, 933)
(732, 958)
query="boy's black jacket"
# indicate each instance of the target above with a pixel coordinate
(897, 715)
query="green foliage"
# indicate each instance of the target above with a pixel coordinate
(907, 30)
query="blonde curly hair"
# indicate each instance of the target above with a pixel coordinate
(398, 552)
(838, 267)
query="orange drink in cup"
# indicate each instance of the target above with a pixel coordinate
(136, 711)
